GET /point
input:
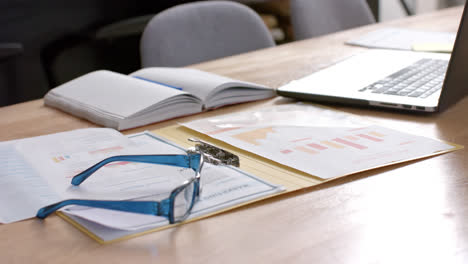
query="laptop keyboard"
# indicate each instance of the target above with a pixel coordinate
(420, 79)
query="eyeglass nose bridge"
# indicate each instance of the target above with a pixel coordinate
(213, 154)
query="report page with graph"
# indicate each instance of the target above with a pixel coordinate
(319, 141)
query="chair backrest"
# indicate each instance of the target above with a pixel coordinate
(311, 18)
(200, 31)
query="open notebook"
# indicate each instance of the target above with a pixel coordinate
(149, 95)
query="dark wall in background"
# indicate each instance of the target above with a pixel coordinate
(50, 30)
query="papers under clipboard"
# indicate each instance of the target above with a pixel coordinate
(291, 177)
(263, 174)
(224, 188)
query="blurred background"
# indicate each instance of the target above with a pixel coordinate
(46, 43)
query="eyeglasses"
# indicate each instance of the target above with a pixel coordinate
(178, 205)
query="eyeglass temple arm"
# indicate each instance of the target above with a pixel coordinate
(186, 161)
(142, 207)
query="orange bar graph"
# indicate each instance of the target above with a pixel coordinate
(349, 143)
(332, 144)
(316, 146)
(377, 134)
(351, 137)
(306, 150)
(370, 137)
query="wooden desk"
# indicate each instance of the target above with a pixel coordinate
(410, 213)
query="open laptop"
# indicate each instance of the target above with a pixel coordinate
(413, 81)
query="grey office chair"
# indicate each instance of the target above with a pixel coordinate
(311, 18)
(200, 31)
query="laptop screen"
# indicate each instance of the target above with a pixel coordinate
(456, 79)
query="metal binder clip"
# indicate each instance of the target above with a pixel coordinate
(214, 154)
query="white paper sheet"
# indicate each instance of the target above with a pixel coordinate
(36, 172)
(401, 38)
(322, 142)
(223, 187)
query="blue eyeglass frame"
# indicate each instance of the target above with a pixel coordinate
(163, 208)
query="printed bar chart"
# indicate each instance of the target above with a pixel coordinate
(313, 139)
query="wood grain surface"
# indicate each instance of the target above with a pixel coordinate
(415, 212)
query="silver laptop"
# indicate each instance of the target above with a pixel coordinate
(413, 81)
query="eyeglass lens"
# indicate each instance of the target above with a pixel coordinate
(183, 201)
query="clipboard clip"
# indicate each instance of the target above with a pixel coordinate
(213, 154)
